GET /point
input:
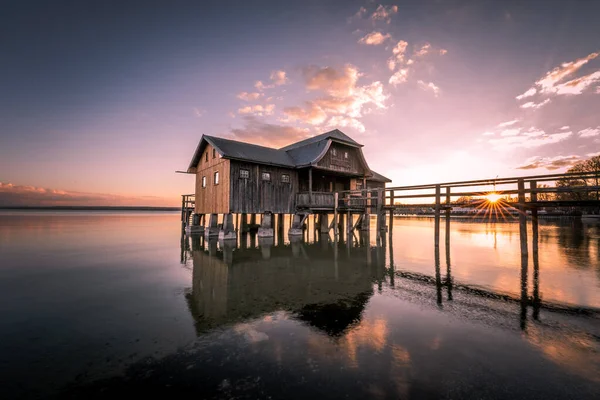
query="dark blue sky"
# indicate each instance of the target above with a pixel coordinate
(112, 96)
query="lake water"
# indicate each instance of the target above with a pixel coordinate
(99, 305)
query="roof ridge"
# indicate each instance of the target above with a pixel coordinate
(239, 141)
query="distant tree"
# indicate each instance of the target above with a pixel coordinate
(590, 165)
(464, 200)
(545, 196)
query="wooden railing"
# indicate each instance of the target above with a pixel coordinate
(315, 199)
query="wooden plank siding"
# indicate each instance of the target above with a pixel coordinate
(338, 162)
(212, 198)
(255, 195)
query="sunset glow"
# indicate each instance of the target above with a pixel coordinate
(493, 197)
(112, 109)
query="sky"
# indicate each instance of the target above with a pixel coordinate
(102, 101)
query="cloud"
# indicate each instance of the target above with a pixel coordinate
(399, 50)
(384, 13)
(429, 86)
(339, 83)
(399, 77)
(564, 127)
(531, 104)
(246, 96)
(312, 114)
(488, 133)
(22, 195)
(423, 50)
(341, 97)
(340, 121)
(258, 109)
(259, 132)
(510, 132)
(359, 14)
(577, 86)
(550, 163)
(550, 84)
(374, 38)
(507, 123)
(528, 93)
(529, 139)
(277, 78)
(589, 132)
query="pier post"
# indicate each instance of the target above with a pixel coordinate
(335, 215)
(227, 231)
(522, 216)
(266, 225)
(244, 227)
(341, 225)
(437, 218)
(212, 230)
(534, 251)
(324, 223)
(380, 211)
(391, 224)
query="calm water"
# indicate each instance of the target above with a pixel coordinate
(97, 305)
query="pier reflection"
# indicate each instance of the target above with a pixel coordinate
(325, 284)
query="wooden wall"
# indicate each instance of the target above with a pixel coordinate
(253, 195)
(212, 198)
(339, 163)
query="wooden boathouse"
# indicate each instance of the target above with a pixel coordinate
(307, 177)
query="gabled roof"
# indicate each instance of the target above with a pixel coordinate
(297, 155)
(335, 135)
(242, 151)
(378, 177)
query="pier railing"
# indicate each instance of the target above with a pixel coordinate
(317, 200)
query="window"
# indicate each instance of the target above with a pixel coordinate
(285, 178)
(214, 153)
(244, 174)
(346, 155)
(334, 152)
(203, 181)
(266, 176)
(206, 157)
(216, 178)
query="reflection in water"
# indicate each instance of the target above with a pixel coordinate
(320, 319)
(322, 285)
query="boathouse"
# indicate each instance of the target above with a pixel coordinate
(234, 177)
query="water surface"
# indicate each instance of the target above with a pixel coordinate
(101, 304)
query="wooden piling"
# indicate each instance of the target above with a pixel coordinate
(335, 215)
(437, 217)
(522, 216)
(391, 224)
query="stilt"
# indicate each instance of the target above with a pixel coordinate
(280, 220)
(227, 231)
(297, 226)
(212, 230)
(196, 226)
(391, 224)
(266, 225)
(324, 223)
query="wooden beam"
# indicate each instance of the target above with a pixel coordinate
(310, 186)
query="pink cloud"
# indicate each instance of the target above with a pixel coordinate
(23, 195)
(374, 38)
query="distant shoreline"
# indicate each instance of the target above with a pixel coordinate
(89, 208)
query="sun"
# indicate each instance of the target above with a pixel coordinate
(493, 197)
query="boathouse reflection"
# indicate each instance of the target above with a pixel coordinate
(324, 284)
